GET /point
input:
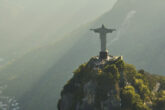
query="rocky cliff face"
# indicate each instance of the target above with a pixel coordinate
(111, 85)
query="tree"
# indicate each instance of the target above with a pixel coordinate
(130, 100)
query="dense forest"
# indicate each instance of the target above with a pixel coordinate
(131, 89)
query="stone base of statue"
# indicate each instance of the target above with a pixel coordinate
(103, 55)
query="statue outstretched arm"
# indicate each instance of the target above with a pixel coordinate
(111, 30)
(95, 30)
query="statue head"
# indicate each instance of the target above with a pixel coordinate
(103, 26)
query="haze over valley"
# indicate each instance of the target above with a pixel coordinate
(43, 42)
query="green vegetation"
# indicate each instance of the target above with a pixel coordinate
(137, 92)
(131, 100)
(159, 103)
(36, 78)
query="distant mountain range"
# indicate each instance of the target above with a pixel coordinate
(26, 25)
(36, 78)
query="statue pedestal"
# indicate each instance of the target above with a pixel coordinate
(103, 55)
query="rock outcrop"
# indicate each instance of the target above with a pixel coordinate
(111, 84)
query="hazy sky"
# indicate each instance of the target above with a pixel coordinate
(28, 23)
(29, 15)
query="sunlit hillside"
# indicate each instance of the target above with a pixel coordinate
(37, 77)
(26, 25)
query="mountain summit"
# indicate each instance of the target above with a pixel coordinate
(111, 84)
(106, 82)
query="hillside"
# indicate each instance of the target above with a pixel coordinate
(140, 35)
(112, 85)
(26, 25)
(37, 69)
(37, 77)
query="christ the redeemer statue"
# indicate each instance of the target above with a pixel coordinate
(103, 31)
